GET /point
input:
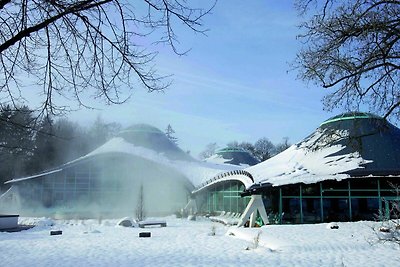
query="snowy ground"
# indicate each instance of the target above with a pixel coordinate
(189, 243)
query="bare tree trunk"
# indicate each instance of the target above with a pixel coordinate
(140, 208)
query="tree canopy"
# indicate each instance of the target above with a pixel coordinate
(29, 145)
(79, 48)
(352, 48)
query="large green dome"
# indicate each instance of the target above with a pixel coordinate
(373, 137)
(237, 156)
(150, 137)
(351, 116)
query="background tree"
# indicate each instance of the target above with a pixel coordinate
(100, 132)
(280, 147)
(249, 147)
(80, 48)
(353, 49)
(16, 141)
(263, 149)
(57, 143)
(208, 151)
(169, 132)
(140, 207)
(45, 152)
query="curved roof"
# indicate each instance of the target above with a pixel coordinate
(233, 155)
(351, 116)
(150, 137)
(348, 145)
(196, 172)
(373, 137)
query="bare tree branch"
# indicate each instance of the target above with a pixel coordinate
(87, 48)
(352, 48)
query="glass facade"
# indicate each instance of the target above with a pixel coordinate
(225, 197)
(107, 184)
(348, 200)
(78, 183)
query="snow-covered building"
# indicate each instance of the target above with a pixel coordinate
(341, 172)
(107, 180)
(223, 192)
(233, 155)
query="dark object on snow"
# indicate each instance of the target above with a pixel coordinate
(125, 223)
(19, 228)
(8, 221)
(334, 226)
(55, 232)
(384, 229)
(145, 234)
(143, 224)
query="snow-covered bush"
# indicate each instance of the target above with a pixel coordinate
(389, 231)
(213, 231)
(256, 240)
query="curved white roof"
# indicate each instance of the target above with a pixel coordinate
(197, 172)
(302, 164)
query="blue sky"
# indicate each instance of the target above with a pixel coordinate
(234, 84)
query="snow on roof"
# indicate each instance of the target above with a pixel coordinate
(234, 156)
(197, 172)
(34, 176)
(301, 163)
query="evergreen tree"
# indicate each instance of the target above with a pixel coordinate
(16, 141)
(169, 132)
(44, 155)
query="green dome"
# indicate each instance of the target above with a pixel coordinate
(150, 137)
(237, 156)
(373, 137)
(351, 116)
(141, 128)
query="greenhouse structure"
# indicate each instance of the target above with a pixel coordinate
(225, 195)
(107, 181)
(347, 170)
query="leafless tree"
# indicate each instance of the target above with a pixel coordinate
(140, 207)
(208, 151)
(389, 231)
(352, 48)
(74, 49)
(263, 149)
(282, 146)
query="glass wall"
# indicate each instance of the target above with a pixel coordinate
(76, 183)
(348, 200)
(226, 197)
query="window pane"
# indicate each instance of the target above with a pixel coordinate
(364, 208)
(336, 209)
(311, 210)
(310, 189)
(291, 210)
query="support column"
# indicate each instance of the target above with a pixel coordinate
(250, 213)
(280, 205)
(301, 204)
(321, 201)
(380, 201)
(350, 209)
